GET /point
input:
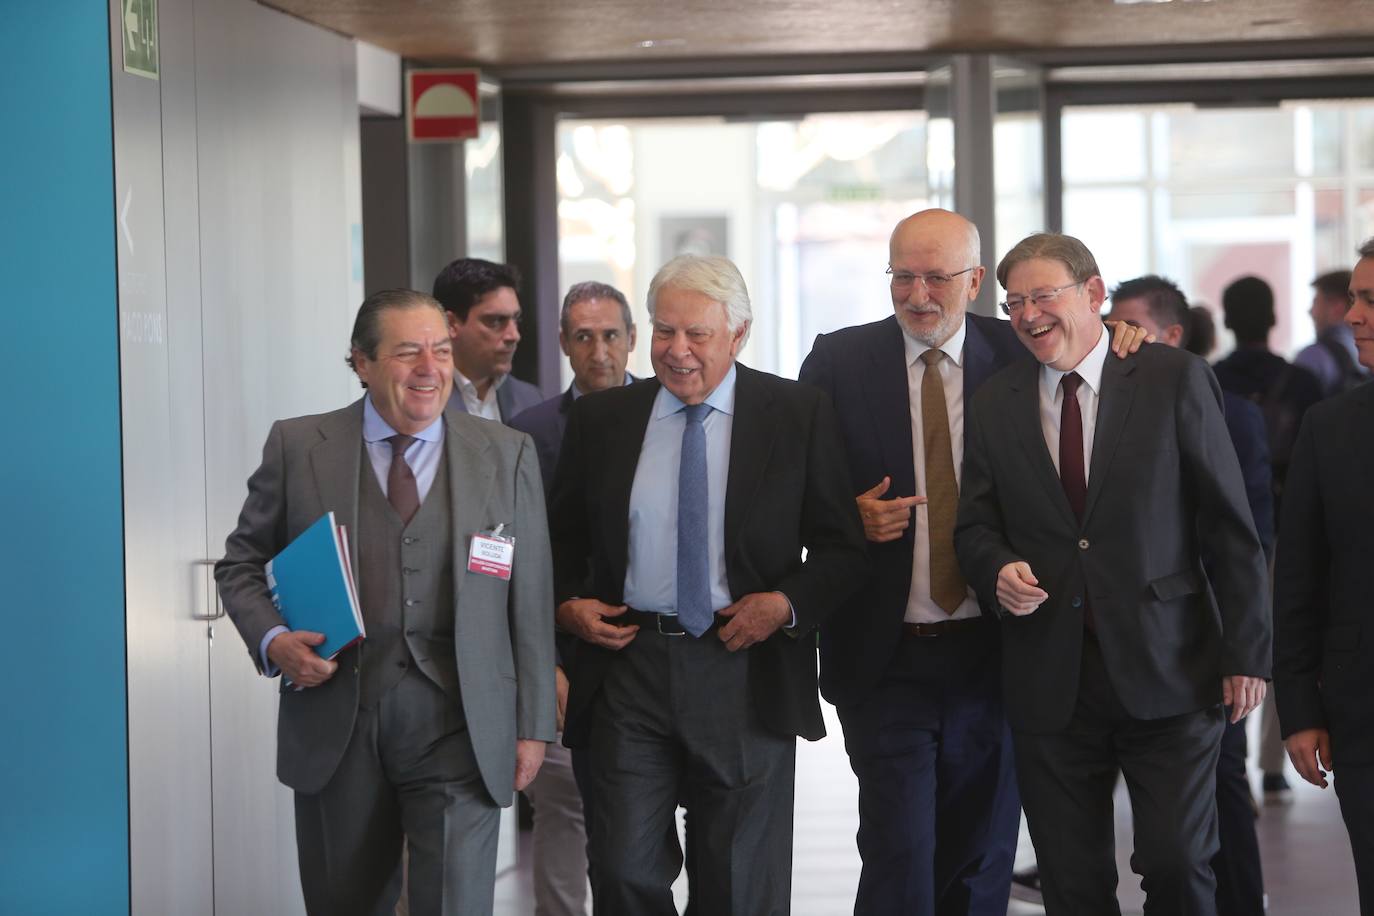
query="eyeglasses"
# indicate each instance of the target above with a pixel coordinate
(905, 279)
(1044, 297)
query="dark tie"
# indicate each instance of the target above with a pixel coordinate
(1071, 475)
(947, 586)
(401, 491)
(693, 547)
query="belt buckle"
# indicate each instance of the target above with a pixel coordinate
(661, 632)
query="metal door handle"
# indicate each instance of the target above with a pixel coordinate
(218, 612)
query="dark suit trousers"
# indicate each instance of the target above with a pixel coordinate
(1240, 880)
(1355, 789)
(408, 772)
(674, 720)
(938, 806)
(1067, 779)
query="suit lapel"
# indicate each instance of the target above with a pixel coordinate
(621, 459)
(335, 461)
(886, 391)
(470, 473)
(751, 443)
(1113, 405)
(1025, 412)
(979, 361)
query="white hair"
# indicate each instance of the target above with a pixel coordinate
(715, 278)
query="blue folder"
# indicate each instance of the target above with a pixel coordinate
(312, 586)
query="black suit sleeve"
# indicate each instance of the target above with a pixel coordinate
(1301, 591)
(568, 522)
(979, 538)
(836, 559)
(1237, 570)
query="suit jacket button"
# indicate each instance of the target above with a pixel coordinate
(1076, 602)
(1083, 544)
(400, 664)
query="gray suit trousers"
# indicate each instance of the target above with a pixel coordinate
(408, 773)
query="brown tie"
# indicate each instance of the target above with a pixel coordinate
(947, 586)
(401, 491)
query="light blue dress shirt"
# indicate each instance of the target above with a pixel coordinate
(422, 456)
(651, 574)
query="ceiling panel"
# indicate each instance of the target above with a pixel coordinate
(518, 33)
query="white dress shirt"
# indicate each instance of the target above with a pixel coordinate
(920, 607)
(486, 407)
(1089, 394)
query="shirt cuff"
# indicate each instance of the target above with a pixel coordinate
(791, 628)
(269, 669)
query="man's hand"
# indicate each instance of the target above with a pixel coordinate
(1127, 338)
(528, 756)
(585, 618)
(292, 653)
(754, 618)
(560, 684)
(1243, 694)
(1018, 590)
(885, 519)
(1310, 751)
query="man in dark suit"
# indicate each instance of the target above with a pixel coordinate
(1157, 305)
(423, 729)
(596, 333)
(483, 305)
(689, 499)
(917, 683)
(1323, 616)
(1087, 485)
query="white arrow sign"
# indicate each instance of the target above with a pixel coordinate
(124, 218)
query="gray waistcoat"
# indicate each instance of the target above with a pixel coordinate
(405, 586)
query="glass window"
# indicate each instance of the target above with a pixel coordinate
(803, 207)
(1205, 196)
(485, 206)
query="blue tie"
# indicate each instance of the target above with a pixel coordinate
(694, 610)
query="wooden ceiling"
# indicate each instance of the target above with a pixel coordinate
(499, 34)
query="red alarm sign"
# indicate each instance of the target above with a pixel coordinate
(442, 105)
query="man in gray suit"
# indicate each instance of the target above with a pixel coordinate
(483, 305)
(426, 727)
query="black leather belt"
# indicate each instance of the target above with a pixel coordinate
(942, 627)
(666, 624)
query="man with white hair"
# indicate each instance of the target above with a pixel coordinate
(691, 497)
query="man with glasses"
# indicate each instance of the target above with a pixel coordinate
(484, 319)
(1088, 485)
(911, 662)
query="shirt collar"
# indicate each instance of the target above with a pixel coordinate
(577, 392)
(723, 398)
(1089, 368)
(953, 348)
(375, 429)
(464, 382)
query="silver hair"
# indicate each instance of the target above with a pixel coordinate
(716, 278)
(1367, 249)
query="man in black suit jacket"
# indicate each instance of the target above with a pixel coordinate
(917, 686)
(689, 499)
(1323, 616)
(1088, 485)
(1158, 305)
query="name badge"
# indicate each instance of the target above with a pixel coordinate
(491, 554)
